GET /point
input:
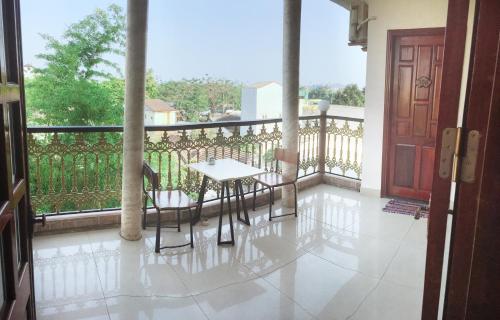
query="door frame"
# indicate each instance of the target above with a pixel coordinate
(391, 36)
(20, 287)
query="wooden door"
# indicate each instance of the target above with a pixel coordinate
(473, 284)
(455, 45)
(415, 60)
(16, 294)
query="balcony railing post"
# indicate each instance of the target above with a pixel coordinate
(322, 143)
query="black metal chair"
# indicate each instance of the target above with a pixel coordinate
(272, 180)
(165, 200)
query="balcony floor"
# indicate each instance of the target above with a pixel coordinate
(341, 258)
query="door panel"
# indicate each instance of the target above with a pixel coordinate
(15, 219)
(473, 274)
(414, 85)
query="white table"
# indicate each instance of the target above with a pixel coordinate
(225, 171)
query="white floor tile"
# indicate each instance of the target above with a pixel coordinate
(252, 300)
(325, 264)
(391, 302)
(408, 267)
(85, 310)
(65, 280)
(366, 254)
(323, 289)
(153, 308)
(208, 267)
(61, 245)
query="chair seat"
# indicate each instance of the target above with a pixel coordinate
(273, 179)
(173, 199)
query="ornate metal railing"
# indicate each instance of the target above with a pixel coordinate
(77, 169)
(343, 149)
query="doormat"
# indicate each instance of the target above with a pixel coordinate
(407, 207)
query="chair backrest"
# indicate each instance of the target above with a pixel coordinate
(284, 155)
(151, 175)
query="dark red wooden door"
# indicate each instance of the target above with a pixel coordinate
(473, 287)
(16, 294)
(415, 84)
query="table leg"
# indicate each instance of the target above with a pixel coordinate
(225, 185)
(239, 185)
(237, 194)
(230, 213)
(201, 197)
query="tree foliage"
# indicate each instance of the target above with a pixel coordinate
(152, 85)
(193, 96)
(77, 86)
(350, 95)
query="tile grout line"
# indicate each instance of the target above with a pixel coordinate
(383, 274)
(98, 276)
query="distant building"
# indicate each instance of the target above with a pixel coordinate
(262, 100)
(159, 113)
(28, 71)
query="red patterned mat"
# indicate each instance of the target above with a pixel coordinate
(407, 207)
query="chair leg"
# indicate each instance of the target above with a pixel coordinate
(191, 227)
(178, 220)
(158, 226)
(254, 194)
(295, 190)
(270, 203)
(144, 211)
(273, 196)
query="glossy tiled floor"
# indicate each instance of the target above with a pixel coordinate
(342, 258)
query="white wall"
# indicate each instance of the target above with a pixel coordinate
(248, 103)
(269, 101)
(391, 14)
(149, 118)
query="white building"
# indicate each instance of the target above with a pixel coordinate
(159, 113)
(261, 100)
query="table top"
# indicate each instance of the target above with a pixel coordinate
(225, 169)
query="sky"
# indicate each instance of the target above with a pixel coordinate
(239, 40)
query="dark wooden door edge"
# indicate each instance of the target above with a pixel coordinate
(454, 49)
(474, 224)
(391, 35)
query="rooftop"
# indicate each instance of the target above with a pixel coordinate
(158, 105)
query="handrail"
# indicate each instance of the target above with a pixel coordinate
(344, 118)
(78, 168)
(187, 126)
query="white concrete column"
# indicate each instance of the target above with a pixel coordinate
(133, 128)
(290, 112)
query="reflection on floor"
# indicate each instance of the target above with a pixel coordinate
(342, 258)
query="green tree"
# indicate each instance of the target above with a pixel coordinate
(321, 92)
(351, 95)
(152, 85)
(187, 95)
(77, 85)
(193, 96)
(221, 93)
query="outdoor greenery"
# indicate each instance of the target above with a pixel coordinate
(350, 95)
(80, 82)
